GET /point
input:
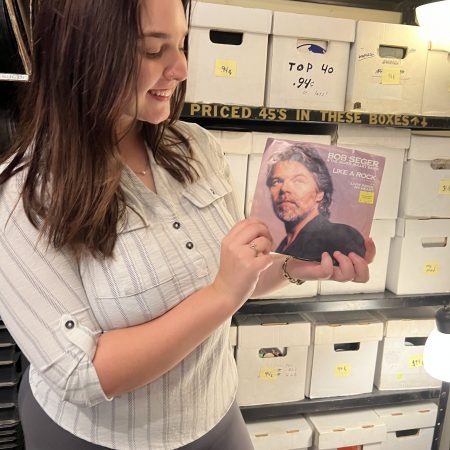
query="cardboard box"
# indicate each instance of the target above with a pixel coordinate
(419, 258)
(409, 427)
(386, 69)
(425, 191)
(343, 353)
(382, 141)
(436, 92)
(227, 54)
(271, 358)
(382, 232)
(308, 61)
(281, 434)
(400, 353)
(334, 431)
(237, 146)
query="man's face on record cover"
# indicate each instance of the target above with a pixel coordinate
(294, 191)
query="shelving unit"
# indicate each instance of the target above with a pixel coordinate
(246, 118)
(308, 406)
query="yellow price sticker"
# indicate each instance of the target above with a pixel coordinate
(225, 68)
(343, 370)
(366, 197)
(415, 361)
(444, 187)
(431, 268)
(269, 373)
(390, 75)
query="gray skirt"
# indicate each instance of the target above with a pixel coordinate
(42, 433)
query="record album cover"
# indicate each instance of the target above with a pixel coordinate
(316, 198)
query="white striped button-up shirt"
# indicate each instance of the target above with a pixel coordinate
(56, 308)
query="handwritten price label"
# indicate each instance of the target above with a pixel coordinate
(431, 268)
(225, 68)
(444, 187)
(269, 373)
(343, 370)
(390, 75)
(366, 197)
(415, 361)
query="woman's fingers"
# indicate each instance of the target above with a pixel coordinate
(370, 250)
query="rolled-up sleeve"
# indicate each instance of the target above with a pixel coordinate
(45, 308)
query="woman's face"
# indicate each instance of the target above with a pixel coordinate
(163, 62)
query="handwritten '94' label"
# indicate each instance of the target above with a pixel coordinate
(343, 370)
(269, 373)
(225, 68)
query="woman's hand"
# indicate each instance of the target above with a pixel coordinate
(244, 255)
(351, 268)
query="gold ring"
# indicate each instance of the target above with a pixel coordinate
(253, 246)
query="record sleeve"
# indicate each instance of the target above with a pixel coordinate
(316, 198)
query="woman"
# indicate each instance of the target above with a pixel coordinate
(122, 255)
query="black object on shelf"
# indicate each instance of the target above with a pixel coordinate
(343, 302)
(308, 406)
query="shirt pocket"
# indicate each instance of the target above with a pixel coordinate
(208, 195)
(131, 287)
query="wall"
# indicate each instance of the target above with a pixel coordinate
(317, 9)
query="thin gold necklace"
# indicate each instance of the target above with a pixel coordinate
(142, 172)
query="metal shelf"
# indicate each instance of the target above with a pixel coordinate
(241, 116)
(307, 406)
(343, 302)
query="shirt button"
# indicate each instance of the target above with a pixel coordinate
(189, 245)
(176, 225)
(69, 324)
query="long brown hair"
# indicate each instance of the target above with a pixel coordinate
(85, 65)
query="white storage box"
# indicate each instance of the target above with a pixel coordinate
(335, 431)
(308, 61)
(382, 141)
(436, 92)
(409, 427)
(386, 69)
(227, 54)
(382, 232)
(237, 146)
(281, 434)
(419, 259)
(271, 358)
(425, 190)
(343, 353)
(400, 354)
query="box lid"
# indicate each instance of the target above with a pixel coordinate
(345, 327)
(236, 142)
(440, 46)
(260, 139)
(295, 430)
(356, 427)
(408, 322)
(314, 27)
(426, 229)
(408, 416)
(427, 148)
(231, 18)
(373, 136)
(270, 330)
